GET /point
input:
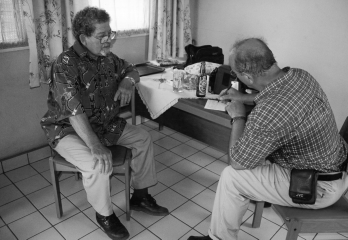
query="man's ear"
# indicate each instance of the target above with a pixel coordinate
(249, 77)
(83, 39)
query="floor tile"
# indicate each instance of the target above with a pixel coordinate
(145, 127)
(8, 194)
(190, 213)
(145, 235)
(159, 166)
(185, 167)
(151, 124)
(205, 177)
(50, 234)
(133, 227)
(158, 150)
(180, 137)
(1, 222)
(41, 165)
(168, 158)
(21, 173)
(169, 177)
(79, 199)
(32, 184)
(16, 209)
(96, 235)
(170, 199)
(119, 200)
(5, 233)
(203, 226)
(50, 213)
(42, 197)
(159, 187)
(76, 227)
(188, 188)
(168, 142)
(327, 236)
(214, 187)
(70, 186)
(24, 227)
(167, 131)
(155, 135)
(169, 228)
(196, 144)
(260, 233)
(190, 233)
(225, 159)
(145, 219)
(205, 199)
(201, 159)
(184, 150)
(217, 167)
(213, 152)
(4, 181)
(116, 186)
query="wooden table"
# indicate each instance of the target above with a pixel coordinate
(189, 117)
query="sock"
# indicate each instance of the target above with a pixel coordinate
(139, 193)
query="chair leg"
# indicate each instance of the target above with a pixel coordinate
(258, 214)
(127, 180)
(56, 189)
(294, 229)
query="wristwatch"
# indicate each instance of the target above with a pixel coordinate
(237, 118)
(131, 79)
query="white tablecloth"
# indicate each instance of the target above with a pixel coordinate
(159, 99)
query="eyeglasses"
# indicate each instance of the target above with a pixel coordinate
(111, 36)
(233, 75)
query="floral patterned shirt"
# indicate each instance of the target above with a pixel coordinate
(293, 125)
(83, 83)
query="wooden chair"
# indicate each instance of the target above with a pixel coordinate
(332, 219)
(121, 157)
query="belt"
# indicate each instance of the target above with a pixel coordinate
(329, 176)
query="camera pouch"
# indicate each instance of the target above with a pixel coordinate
(303, 186)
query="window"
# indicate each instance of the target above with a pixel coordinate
(128, 17)
(12, 30)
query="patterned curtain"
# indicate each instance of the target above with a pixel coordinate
(170, 28)
(48, 25)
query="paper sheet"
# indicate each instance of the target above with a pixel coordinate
(215, 105)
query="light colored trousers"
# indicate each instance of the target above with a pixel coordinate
(97, 185)
(268, 183)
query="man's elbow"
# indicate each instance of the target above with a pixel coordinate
(236, 165)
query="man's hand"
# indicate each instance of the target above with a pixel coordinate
(230, 94)
(103, 156)
(124, 91)
(235, 109)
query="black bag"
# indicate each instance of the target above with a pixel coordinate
(205, 53)
(303, 186)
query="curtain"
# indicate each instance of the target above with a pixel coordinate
(170, 28)
(48, 25)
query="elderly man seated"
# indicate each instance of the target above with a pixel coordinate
(88, 85)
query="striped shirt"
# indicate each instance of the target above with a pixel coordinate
(293, 125)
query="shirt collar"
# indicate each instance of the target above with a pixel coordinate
(82, 51)
(275, 85)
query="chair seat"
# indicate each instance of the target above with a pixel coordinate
(334, 217)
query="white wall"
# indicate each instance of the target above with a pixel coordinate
(307, 34)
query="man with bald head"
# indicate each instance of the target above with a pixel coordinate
(291, 125)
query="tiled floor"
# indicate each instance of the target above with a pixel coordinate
(187, 170)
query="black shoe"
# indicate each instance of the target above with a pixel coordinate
(148, 205)
(112, 227)
(267, 205)
(199, 238)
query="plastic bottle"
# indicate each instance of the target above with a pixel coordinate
(202, 82)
